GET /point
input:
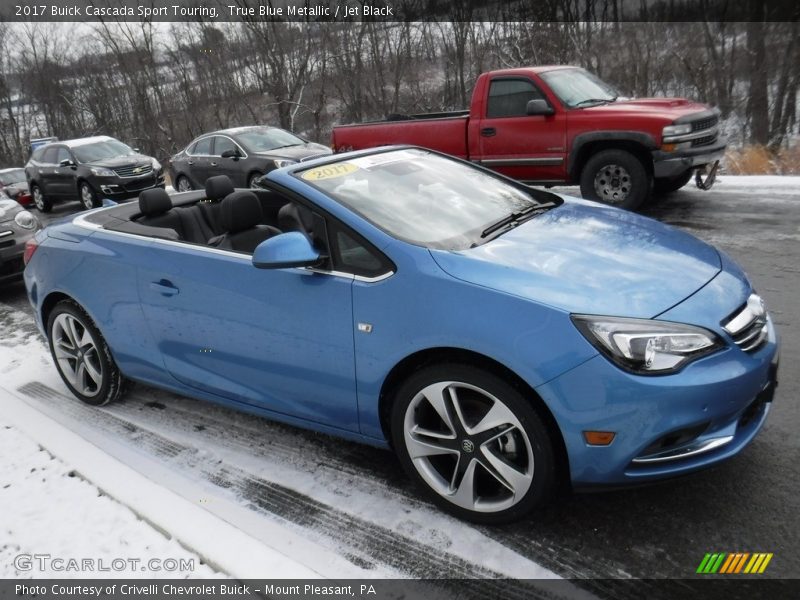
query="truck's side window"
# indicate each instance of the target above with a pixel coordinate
(509, 97)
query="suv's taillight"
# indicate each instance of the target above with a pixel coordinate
(30, 247)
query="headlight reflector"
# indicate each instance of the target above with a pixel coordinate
(25, 220)
(670, 130)
(103, 172)
(156, 165)
(645, 346)
(283, 162)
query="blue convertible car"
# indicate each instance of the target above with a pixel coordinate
(500, 339)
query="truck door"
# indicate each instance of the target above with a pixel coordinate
(525, 147)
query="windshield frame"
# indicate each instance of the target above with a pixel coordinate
(239, 138)
(577, 104)
(538, 198)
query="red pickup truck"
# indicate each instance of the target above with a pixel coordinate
(562, 125)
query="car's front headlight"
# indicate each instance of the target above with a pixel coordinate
(156, 165)
(25, 220)
(102, 172)
(671, 130)
(283, 162)
(645, 346)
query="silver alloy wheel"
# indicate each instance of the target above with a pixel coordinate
(38, 198)
(86, 196)
(184, 185)
(468, 446)
(612, 184)
(253, 179)
(77, 354)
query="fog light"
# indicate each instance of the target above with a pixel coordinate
(599, 438)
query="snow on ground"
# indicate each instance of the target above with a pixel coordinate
(285, 488)
(49, 511)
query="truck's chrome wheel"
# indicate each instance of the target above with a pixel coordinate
(87, 196)
(468, 446)
(612, 184)
(77, 355)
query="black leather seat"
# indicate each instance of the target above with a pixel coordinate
(156, 210)
(240, 215)
(217, 189)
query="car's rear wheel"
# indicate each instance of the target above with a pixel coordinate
(617, 178)
(81, 355)
(252, 179)
(473, 442)
(40, 201)
(672, 184)
(87, 196)
(183, 184)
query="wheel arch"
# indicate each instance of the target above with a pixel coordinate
(440, 355)
(50, 302)
(586, 145)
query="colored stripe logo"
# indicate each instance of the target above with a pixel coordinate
(734, 562)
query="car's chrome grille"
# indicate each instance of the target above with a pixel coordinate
(748, 325)
(704, 141)
(133, 170)
(706, 123)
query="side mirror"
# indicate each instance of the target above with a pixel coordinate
(66, 163)
(284, 251)
(234, 154)
(538, 107)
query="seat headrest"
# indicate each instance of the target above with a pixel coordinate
(293, 217)
(154, 202)
(218, 187)
(240, 211)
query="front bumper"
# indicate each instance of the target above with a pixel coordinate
(12, 247)
(667, 165)
(121, 188)
(711, 409)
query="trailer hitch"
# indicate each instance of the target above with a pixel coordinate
(705, 183)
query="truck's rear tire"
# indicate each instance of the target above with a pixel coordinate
(617, 178)
(672, 184)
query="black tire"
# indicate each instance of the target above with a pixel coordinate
(252, 178)
(663, 186)
(183, 180)
(87, 196)
(622, 177)
(533, 456)
(111, 382)
(40, 201)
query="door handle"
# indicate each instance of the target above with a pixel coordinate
(164, 287)
(190, 162)
(488, 131)
(213, 164)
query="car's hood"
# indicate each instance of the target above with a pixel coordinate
(119, 161)
(583, 257)
(665, 108)
(303, 151)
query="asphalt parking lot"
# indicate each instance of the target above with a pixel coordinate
(748, 504)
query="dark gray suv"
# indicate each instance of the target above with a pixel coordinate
(89, 169)
(244, 154)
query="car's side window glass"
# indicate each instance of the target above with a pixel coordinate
(49, 156)
(354, 257)
(63, 154)
(510, 97)
(203, 147)
(223, 144)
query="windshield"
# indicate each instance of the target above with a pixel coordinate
(263, 140)
(420, 197)
(11, 177)
(101, 151)
(576, 87)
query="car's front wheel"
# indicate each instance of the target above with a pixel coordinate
(183, 184)
(87, 195)
(474, 442)
(616, 177)
(252, 180)
(42, 203)
(81, 355)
